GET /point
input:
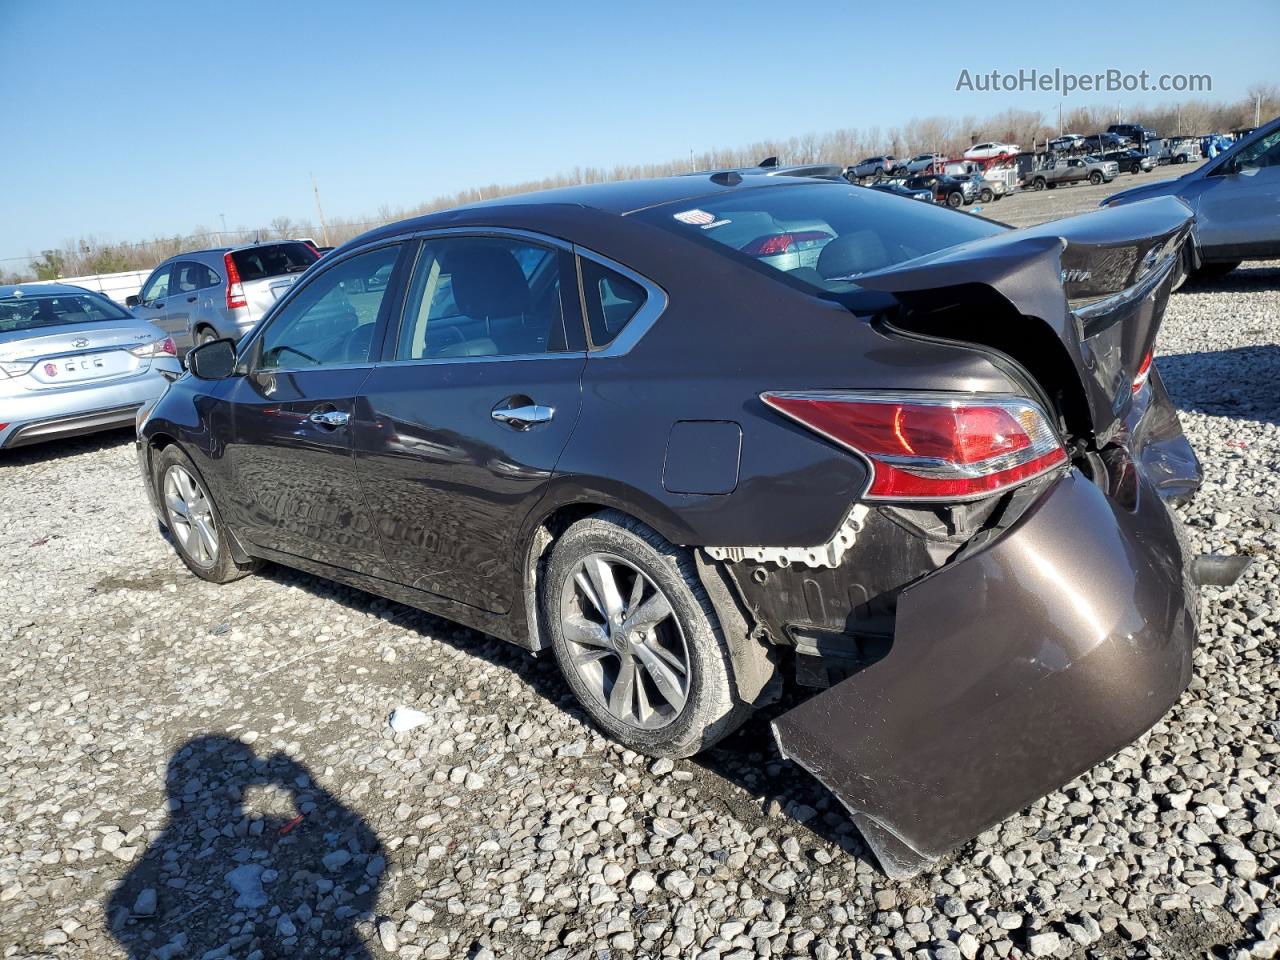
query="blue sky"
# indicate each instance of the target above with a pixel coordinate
(129, 119)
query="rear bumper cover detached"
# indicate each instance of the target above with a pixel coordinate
(1013, 670)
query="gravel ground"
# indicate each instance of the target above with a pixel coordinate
(1027, 207)
(199, 771)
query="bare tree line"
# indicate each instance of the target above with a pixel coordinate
(935, 134)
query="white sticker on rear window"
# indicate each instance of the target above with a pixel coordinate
(695, 217)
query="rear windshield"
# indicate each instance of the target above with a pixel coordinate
(821, 235)
(273, 260)
(28, 311)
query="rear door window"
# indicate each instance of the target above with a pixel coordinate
(612, 301)
(272, 260)
(189, 276)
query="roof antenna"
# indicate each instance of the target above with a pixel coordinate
(769, 162)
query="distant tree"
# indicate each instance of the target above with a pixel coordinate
(283, 228)
(107, 260)
(51, 265)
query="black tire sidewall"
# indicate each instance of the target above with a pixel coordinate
(224, 568)
(708, 712)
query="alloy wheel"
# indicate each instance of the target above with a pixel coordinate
(625, 642)
(191, 516)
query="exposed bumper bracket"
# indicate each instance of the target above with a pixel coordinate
(828, 554)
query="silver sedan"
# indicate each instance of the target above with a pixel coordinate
(72, 362)
(1235, 196)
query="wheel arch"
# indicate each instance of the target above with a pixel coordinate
(157, 443)
(754, 666)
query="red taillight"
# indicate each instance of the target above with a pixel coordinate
(1144, 372)
(235, 292)
(773, 244)
(932, 446)
(169, 347)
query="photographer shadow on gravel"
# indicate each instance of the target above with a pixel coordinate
(294, 879)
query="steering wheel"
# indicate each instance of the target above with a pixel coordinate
(453, 331)
(357, 344)
(284, 348)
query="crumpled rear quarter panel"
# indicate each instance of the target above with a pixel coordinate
(1012, 671)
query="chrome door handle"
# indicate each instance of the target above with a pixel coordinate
(330, 418)
(522, 418)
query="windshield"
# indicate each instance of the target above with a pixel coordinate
(273, 260)
(817, 234)
(28, 311)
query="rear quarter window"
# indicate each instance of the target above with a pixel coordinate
(612, 301)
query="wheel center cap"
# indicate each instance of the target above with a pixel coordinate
(621, 640)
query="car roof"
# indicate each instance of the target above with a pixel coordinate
(32, 289)
(220, 251)
(620, 198)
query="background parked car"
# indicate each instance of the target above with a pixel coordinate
(900, 188)
(72, 362)
(873, 166)
(1135, 133)
(1099, 143)
(1235, 196)
(1061, 170)
(209, 294)
(984, 190)
(921, 162)
(1130, 161)
(985, 151)
(1068, 141)
(949, 191)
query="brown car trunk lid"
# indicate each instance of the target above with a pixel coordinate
(1099, 283)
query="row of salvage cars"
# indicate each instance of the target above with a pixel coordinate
(706, 438)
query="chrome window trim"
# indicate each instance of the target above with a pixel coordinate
(656, 299)
(480, 231)
(491, 358)
(654, 306)
(268, 317)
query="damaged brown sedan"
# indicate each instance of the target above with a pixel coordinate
(702, 435)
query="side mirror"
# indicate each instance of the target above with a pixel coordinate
(133, 300)
(215, 360)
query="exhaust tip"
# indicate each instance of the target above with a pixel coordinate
(1219, 570)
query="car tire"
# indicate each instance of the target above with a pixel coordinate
(986, 196)
(201, 539)
(1213, 271)
(1095, 178)
(955, 199)
(1038, 183)
(692, 657)
(205, 335)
